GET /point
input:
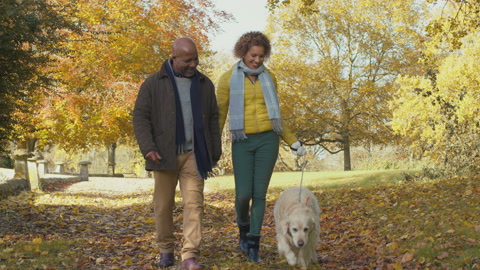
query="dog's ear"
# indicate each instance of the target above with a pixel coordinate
(285, 224)
(315, 225)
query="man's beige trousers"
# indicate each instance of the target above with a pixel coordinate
(191, 188)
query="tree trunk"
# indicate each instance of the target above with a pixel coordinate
(111, 159)
(347, 165)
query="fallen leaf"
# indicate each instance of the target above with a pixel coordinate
(442, 255)
(37, 240)
(396, 266)
(407, 257)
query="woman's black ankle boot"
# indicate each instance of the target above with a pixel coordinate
(253, 247)
(243, 242)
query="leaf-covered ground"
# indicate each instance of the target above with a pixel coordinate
(427, 225)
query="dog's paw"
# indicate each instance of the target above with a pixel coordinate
(291, 258)
(302, 263)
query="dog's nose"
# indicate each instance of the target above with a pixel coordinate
(301, 243)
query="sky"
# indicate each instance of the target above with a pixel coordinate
(251, 15)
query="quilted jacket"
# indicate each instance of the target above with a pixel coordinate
(154, 119)
(256, 114)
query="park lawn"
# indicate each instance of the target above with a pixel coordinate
(321, 180)
(370, 220)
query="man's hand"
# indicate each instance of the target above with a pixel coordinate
(153, 156)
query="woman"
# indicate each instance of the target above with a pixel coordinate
(247, 92)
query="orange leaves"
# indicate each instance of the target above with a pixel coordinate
(120, 44)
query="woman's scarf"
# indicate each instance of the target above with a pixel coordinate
(237, 91)
(204, 164)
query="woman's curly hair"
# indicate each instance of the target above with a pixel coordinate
(249, 39)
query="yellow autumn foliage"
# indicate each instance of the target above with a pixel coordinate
(336, 65)
(442, 117)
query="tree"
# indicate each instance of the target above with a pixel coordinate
(336, 62)
(442, 117)
(30, 31)
(456, 20)
(122, 41)
(437, 110)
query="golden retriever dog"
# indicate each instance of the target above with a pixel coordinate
(297, 215)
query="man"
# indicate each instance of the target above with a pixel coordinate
(175, 120)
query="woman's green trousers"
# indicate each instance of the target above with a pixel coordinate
(253, 162)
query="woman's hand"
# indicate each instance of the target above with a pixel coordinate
(298, 149)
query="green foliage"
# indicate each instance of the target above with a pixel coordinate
(6, 161)
(30, 34)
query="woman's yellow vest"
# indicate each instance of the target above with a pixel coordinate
(256, 114)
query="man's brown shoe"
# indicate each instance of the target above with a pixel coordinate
(192, 264)
(166, 260)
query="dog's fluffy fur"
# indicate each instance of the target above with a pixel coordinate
(297, 225)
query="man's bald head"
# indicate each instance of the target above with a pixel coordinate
(183, 44)
(185, 56)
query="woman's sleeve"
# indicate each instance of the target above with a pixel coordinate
(286, 134)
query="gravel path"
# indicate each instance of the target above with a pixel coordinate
(6, 174)
(100, 185)
(112, 185)
(115, 185)
(104, 185)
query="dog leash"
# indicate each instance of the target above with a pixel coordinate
(301, 180)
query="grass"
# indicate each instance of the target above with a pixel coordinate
(370, 220)
(38, 253)
(322, 180)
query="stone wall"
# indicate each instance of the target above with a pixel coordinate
(31, 174)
